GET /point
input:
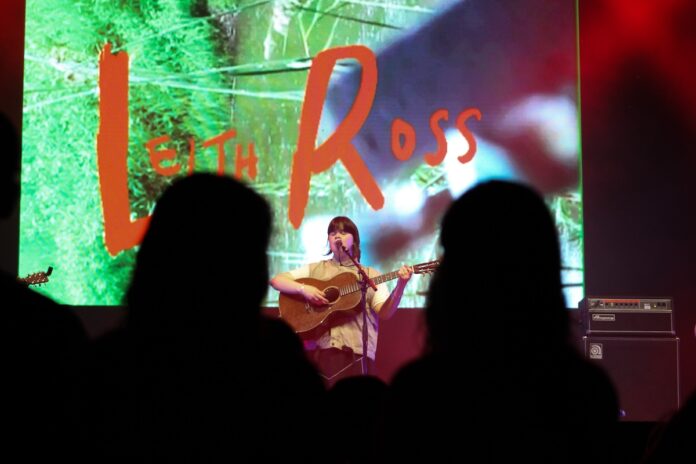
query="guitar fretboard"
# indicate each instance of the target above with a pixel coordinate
(355, 287)
(417, 269)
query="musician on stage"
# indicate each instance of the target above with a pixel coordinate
(337, 351)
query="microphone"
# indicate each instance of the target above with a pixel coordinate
(339, 244)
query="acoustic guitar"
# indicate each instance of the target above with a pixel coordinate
(343, 293)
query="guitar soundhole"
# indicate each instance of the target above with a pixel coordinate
(332, 294)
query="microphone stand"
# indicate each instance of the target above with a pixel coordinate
(365, 281)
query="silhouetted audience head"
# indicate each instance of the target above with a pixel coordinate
(501, 265)
(500, 356)
(361, 401)
(205, 248)
(9, 166)
(198, 374)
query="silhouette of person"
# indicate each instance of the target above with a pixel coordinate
(360, 400)
(41, 342)
(498, 350)
(197, 374)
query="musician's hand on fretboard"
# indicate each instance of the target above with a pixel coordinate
(405, 273)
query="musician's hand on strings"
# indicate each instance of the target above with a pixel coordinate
(405, 273)
(313, 295)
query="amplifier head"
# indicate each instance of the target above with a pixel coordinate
(628, 315)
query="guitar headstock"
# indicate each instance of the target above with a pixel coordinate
(36, 278)
(426, 268)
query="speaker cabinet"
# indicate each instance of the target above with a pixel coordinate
(645, 372)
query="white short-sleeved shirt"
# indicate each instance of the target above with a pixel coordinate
(347, 334)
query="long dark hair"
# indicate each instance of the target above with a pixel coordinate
(501, 262)
(344, 224)
(193, 244)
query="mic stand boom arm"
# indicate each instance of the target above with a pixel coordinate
(365, 278)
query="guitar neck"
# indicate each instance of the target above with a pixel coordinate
(417, 269)
(377, 280)
(386, 277)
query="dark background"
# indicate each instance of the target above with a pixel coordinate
(638, 72)
(638, 89)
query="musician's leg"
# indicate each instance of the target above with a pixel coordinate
(335, 364)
